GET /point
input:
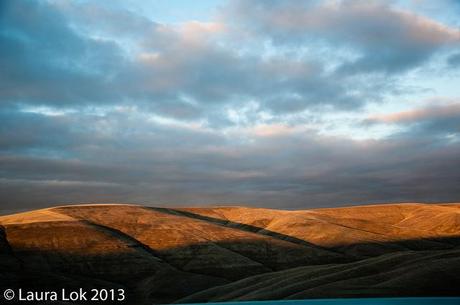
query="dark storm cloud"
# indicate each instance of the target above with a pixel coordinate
(291, 170)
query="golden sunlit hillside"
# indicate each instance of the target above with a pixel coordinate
(162, 255)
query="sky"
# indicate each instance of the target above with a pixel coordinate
(277, 103)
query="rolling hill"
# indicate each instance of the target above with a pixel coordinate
(166, 255)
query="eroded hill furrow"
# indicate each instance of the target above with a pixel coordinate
(242, 226)
(235, 225)
(236, 252)
(370, 277)
(129, 240)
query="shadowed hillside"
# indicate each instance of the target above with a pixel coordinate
(163, 255)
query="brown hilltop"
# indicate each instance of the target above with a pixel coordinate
(235, 253)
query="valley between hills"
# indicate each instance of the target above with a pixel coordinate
(213, 254)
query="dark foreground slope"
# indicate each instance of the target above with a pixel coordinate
(234, 253)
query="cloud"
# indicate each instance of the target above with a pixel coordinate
(432, 120)
(98, 103)
(428, 113)
(88, 54)
(155, 162)
(82, 55)
(454, 60)
(45, 62)
(381, 38)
